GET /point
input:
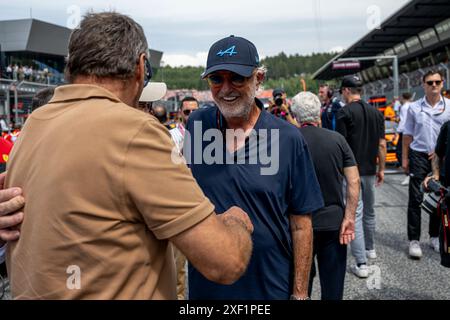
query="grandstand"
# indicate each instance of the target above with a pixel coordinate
(418, 34)
(32, 56)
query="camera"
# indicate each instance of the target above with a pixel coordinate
(278, 96)
(278, 99)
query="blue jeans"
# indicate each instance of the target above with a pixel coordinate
(332, 262)
(365, 220)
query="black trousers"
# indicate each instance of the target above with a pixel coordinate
(332, 262)
(419, 168)
(398, 149)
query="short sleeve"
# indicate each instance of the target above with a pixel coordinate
(160, 185)
(441, 145)
(409, 122)
(305, 189)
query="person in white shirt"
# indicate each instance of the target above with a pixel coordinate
(424, 120)
(187, 106)
(403, 113)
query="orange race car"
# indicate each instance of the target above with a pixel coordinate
(391, 141)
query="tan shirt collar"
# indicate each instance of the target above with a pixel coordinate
(81, 92)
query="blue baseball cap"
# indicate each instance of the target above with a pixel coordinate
(233, 54)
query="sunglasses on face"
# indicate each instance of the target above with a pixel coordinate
(216, 80)
(187, 112)
(431, 83)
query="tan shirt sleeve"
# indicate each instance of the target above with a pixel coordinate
(160, 185)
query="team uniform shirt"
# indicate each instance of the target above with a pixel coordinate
(269, 200)
(102, 201)
(331, 154)
(424, 122)
(362, 126)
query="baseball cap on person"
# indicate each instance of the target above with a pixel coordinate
(351, 82)
(277, 92)
(233, 54)
(154, 91)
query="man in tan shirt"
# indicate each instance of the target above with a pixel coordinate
(103, 195)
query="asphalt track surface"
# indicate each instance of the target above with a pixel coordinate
(394, 276)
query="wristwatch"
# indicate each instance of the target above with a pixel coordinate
(293, 297)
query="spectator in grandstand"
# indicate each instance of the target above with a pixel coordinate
(9, 72)
(279, 200)
(403, 112)
(330, 107)
(333, 225)
(425, 118)
(109, 223)
(279, 107)
(363, 127)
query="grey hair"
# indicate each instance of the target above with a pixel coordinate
(306, 107)
(263, 69)
(106, 44)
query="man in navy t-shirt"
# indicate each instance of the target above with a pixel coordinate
(243, 156)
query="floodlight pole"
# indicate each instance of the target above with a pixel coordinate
(395, 69)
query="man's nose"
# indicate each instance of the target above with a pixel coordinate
(226, 86)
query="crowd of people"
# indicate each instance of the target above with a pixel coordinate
(27, 73)
(230, 202)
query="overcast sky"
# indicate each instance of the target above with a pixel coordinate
(184, 30)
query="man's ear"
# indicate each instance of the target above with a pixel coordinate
(140, 70)
(260, 77)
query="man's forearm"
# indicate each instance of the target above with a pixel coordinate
(382, 155)
(353, 188)
(435, 165)
(302, 239)
(242, 235)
